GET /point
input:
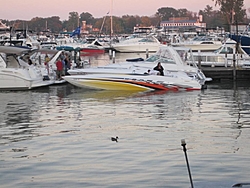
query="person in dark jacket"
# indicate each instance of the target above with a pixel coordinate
(160, 69)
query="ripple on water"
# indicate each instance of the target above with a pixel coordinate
(61, 138)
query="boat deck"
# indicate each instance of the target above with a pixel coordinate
(226, 73)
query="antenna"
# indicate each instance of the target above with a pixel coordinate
(183, 144)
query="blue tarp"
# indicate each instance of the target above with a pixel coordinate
(77, 31)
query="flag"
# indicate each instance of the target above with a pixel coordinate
(77, 31)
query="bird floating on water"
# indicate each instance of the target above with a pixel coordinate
(114, 139)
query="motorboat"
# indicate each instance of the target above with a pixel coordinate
(224, 56)
(48, 69)
(83, 46)
(135, 82)
(200, 43)
(90, 50)
(140, 75)
(137, 44)
(173, 59)
(243, 39)
(16, 74)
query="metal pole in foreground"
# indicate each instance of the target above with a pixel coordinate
(183, 144)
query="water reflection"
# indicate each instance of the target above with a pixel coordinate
(65, 126)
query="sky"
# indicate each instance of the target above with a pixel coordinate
(28, 9)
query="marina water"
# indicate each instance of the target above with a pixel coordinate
(60, 136)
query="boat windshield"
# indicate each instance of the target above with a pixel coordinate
(146, 40)
(228, 50)
(163, 56)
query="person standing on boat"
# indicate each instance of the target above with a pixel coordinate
(62, 56)
(59, 70)
(160, 69)
(46, 62)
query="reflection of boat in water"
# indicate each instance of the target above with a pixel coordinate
(102, 94)
(110, 95)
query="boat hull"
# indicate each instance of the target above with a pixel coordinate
(200, 47)
(244, 40)
(132, 48)
(131, 82)
(15, 80)
(90, 52)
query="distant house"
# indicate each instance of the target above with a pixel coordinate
(183, 24)
(138, 29)
(86, 28)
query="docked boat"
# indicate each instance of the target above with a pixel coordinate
(48, 69)
(200, 43)
(224, 56)
(135, 82)
(244, 40)
(141, 75)
(137, 44)
(90, 50)
(16, 74)
(85, 47)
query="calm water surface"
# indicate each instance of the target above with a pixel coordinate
(60, 137)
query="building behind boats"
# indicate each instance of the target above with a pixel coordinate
(181, 24)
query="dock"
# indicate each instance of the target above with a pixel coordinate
(226, 73)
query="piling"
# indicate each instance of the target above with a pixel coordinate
(113, 57)
(110, 54)
(199, 59)
(147, 55)
(39, 60)
(234, 67)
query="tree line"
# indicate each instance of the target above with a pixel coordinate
(230, 12)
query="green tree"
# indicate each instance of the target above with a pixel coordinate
(167, 12)
(54, 24)
(145, 21)
(129, 23)
(73, 21)
(182, 12)
(85, 16)
(232, 10)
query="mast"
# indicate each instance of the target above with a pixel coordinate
(111, 19)
(103, 24)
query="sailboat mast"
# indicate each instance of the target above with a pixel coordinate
(111, 19)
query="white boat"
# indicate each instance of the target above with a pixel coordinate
(224, 56)
(200, 43)
(48, 71)
(137, 44)
(16, 74)
(140, 75)
(173, 59)
(135, 82)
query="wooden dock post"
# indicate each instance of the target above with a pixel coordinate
(146, 53)
(199, 59)
(113, 57)
(234, 67)
(226, 59)
(110, 54)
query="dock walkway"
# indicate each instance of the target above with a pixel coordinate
(226, 73)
